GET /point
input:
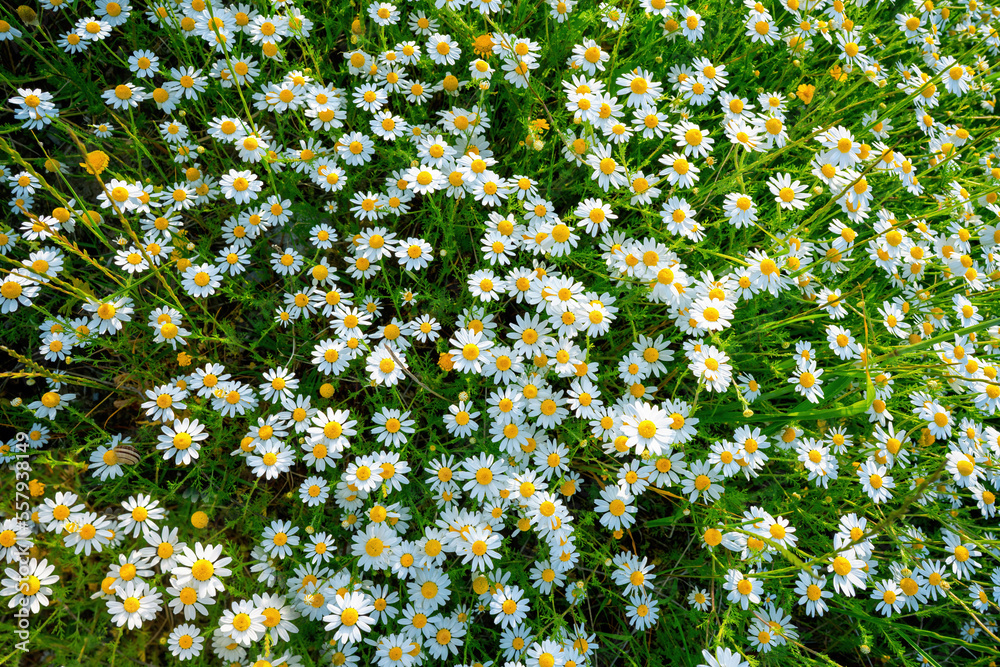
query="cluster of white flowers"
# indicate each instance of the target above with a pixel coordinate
(755, 224)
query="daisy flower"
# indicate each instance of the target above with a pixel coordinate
(810, 588)
(349, 617)
(616, 507)
(692, 139)
(279, 384)
(138, 603)
(314, 491)
(185, 642)
(641, 88)
(355, 149)
(144, 63)
(843, 151)
(789, 195)
(89, 532)
(163, 548)
(14, 539)
(850, 572)
(414, 254)
(201, 280)
(678, 170)
(163, 400)
(240, 186)
(141, 515)
(385, 366)
(18, 289)
(243, 622)
(54, 514)
(700, 599)
(460, 420)
(332, 428)
(124, 96)
(963, 555)
(93, 30)
(700, 480)
(470, 349)
(270, 461)
(890, 597)
(807, 382)
(201, 568)
(279, 538)
(589, 57)
(443, 50)
(607, 171)
(30, 585)
(743, 590)
(392, 426)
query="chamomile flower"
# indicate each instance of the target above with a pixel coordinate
(806, 381)
(616, 507)
(124, 96)
(789, 195)
(201, 280)
(962, 558)
(469, 350)
(589, 57)
(136, 603)
(17, 289)
(743, 590)
(141, 515)
(278, 539)
(349, 616)
(279, 383)
(607, 171)
(201, 568)
(240, 186)
(889, 595)
(270, 461)
(392, 427)
(700, 480)
(385, 366)
(740, 210)
(185, 642)
(29, 585)
(144, 63)
(642, 90)
(442, 50)
(243, 622)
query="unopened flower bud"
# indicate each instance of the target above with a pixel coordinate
(28, 15)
